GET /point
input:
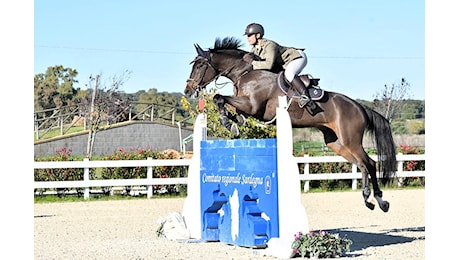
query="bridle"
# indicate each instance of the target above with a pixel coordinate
(199, 84)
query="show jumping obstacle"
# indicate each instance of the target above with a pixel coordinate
(244, 192)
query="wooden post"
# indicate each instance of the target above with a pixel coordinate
(354, 182)
(91, 134)
(306, 172)
(86, 179)
(149, 177)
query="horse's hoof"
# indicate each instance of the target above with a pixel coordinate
(218, 100)
(241, 119)
(370, 205)
(234, 130)
(385, 206)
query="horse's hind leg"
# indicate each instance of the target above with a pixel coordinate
(356, 154)
(367, 167)
(378, 194)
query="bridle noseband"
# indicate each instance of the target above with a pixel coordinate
(199, 85)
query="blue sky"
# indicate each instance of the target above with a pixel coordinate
(355, 47)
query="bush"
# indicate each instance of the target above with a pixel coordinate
(141, 172)
(64, 174)
(412, 166)
(320, 245)
(74, 174)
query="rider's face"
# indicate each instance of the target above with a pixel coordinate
(252, 39)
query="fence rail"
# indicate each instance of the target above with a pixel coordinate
(66, 117)
(306, 176)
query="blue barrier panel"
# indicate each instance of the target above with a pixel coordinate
(239, 191)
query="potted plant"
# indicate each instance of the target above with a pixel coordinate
(320, 245)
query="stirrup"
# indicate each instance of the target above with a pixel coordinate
(303, 100)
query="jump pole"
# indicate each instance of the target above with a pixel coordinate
(291, 216)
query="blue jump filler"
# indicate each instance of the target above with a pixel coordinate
(245, 192)
(239, 191)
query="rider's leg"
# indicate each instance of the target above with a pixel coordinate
(297, 83)
(291, 75)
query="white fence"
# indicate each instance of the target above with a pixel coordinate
(86, 164)
(354, 174)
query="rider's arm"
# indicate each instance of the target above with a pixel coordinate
(268, 56)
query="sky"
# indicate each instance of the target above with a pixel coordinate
(354, 47)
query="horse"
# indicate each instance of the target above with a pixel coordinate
(342, 120)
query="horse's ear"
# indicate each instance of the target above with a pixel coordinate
(200, 51)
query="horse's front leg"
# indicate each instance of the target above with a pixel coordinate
(225, 116)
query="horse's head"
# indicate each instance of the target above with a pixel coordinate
(203, 72)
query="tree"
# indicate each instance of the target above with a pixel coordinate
(54, 88)
(104, 102)
(390, 101)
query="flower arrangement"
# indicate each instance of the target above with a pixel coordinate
(320, 245)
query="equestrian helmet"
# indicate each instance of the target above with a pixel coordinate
(254, 28)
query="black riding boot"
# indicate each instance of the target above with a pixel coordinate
(302, 90)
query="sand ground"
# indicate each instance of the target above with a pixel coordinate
(126, 229)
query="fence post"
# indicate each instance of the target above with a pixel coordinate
(36, 125)
(354, 182)
(61, 122)
(400, 169)
(86, 179)
(149, 177)
(306, 172)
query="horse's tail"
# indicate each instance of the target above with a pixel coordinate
(379, 126)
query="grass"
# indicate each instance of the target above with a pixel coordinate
(72, 198)
(57, 132)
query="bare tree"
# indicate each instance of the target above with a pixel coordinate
(390, 101)
(104, 102)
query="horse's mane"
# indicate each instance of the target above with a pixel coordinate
(227, 43)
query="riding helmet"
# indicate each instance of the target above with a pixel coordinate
(254, 28)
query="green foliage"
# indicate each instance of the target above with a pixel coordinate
(64, 174)
(402, 118)
(413, 109)
(141, 172)
(415, 126)
(57, 132)
(412, 166)
(158, 105)
(318, 149)
(398, 127)
(408, 126)
(54, 88)
(251, 129)
(320, 245)
(115, 172)
(312, 149)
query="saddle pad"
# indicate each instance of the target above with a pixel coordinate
(314, 92)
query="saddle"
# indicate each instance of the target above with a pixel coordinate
(314, 91)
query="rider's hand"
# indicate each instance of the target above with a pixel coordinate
(248, 58)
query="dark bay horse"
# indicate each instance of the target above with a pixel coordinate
(342, 120)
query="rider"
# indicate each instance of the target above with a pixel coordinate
(271, 54)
